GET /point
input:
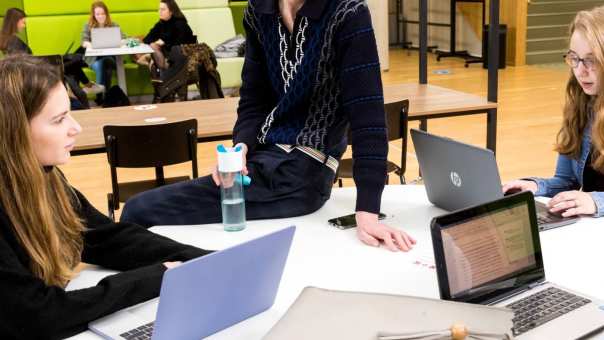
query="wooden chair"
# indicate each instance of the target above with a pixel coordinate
(396, 123)
(145, 146)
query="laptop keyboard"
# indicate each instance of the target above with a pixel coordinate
(546, 219)
(537, 309)
(143, 332)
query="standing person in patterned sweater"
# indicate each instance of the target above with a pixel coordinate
(311, 70)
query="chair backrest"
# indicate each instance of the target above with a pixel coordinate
(155, 145)
(395, 113)
(395, 120)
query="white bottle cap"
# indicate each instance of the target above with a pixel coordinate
(230, 161)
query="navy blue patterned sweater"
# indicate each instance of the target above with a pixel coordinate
(305, 87)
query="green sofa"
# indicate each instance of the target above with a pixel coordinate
(54, 27)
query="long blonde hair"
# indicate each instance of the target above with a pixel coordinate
(580, 106)
(92, 22)
(38, 201)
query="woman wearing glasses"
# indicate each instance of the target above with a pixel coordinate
(577, 187)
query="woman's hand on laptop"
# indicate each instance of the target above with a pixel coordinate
(519, 185)
(371, 232)
(571, 203)
(172, 264)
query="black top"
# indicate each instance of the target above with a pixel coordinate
(30, 309)
(173, 32)
(593, 180)
(16, 45)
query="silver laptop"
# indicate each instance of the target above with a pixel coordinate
(491, 254)
(458, 175)
(207, 294)
(106, 37)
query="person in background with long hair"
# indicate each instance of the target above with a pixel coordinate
(577, 187)
(103, 66)
(47, 227)
(14, 22)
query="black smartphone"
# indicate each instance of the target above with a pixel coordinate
(348, 221)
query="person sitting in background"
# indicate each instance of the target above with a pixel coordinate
(577, 187)
(15, 22)
(103, 66)
(47, 227)
(171, 30)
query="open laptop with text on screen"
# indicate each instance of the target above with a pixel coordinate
(207, 294)
(491, 254)
(458, 175)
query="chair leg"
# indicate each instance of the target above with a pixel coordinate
(339, 182)
(110, 208)
(402, 178)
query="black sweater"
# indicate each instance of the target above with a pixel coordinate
(30, 309)
(173, 32)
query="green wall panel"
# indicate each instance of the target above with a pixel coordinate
(44, 7)
(6, 4)
(238, 8)
(194, 4)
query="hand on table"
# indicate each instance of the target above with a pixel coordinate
(572, 203)
(371, 232)
(519, 185)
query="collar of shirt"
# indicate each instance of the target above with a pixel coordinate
(312, 9)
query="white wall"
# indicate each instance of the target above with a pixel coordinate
(379, 17)
(438, 11)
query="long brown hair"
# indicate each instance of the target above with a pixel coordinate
(9, 27)
(92, 22)
(580, 106)
(38, 201)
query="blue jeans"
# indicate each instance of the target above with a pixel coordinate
(103, 68)
(283, 185)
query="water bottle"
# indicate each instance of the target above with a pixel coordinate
(230, 164)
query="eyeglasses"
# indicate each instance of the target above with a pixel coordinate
(573, 61)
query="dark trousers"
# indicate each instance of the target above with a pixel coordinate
(283, 185)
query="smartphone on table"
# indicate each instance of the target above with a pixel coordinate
(348, 221)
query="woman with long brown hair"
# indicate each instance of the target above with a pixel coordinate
(103, 66)
(47, 227)
(14, 22)
(577, 187)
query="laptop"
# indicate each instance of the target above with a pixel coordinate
(106, 37)
(205, 295)
(491, 254)
(458, 175)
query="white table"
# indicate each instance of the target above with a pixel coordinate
(325, 257)
(119, 52)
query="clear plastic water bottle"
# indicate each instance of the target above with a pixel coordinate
(230, 165)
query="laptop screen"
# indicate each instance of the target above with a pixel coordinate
(488, 251)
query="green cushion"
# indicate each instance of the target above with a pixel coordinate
(211, 25)
(136, 24)
(54, 34)
(230, 71)
(238, 8)
(38, 7)
(193, 4)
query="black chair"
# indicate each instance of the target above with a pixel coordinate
(146, 146)
(396, 123)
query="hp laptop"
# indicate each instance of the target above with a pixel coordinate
(207, 294)
(459, 175)
(491, 254)
(106, 37)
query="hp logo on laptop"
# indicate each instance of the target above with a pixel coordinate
(455, 179)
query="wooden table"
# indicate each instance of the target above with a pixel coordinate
(216, 117)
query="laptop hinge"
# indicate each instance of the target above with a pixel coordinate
(519, 291)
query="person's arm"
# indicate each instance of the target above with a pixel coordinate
(564, 179)
(364, 107)
(598, 197)
(256, 95)
(153, 34)
(182, 34)
(16, 46)
(125, 246)
(86, 40)
(32, 309)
